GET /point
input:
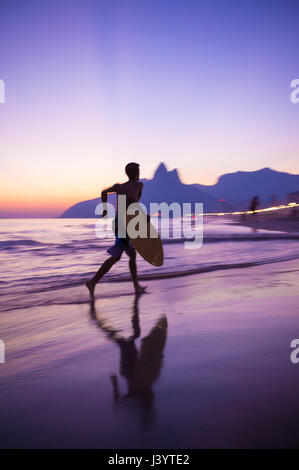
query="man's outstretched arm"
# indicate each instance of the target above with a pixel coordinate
(104, 195)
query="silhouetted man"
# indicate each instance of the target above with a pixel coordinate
(254, 203)
(132, 189)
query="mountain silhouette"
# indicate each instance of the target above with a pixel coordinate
(165, 186)
(86, 208)
(237, 189)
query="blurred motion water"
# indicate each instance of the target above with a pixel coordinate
(44, 254)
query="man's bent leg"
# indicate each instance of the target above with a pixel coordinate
(100, 273)
(133, 269)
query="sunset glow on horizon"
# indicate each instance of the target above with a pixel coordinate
(92, 85)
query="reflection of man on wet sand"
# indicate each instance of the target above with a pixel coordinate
(142, 368)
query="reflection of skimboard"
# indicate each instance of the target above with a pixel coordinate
(150, 248)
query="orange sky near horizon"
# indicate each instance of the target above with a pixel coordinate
(24, 197)
(42, 200)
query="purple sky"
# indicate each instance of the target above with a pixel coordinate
(90, 85)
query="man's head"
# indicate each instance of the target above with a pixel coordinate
(132, 170)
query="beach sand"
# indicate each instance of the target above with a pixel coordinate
(268, 222)
(200, 361)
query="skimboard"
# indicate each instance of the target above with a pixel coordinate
(150, 248)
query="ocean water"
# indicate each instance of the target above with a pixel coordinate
(44, 254)
(203, 361)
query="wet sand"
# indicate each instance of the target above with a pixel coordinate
(201, 361)
(283, 224)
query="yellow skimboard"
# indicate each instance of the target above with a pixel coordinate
(149, 247)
